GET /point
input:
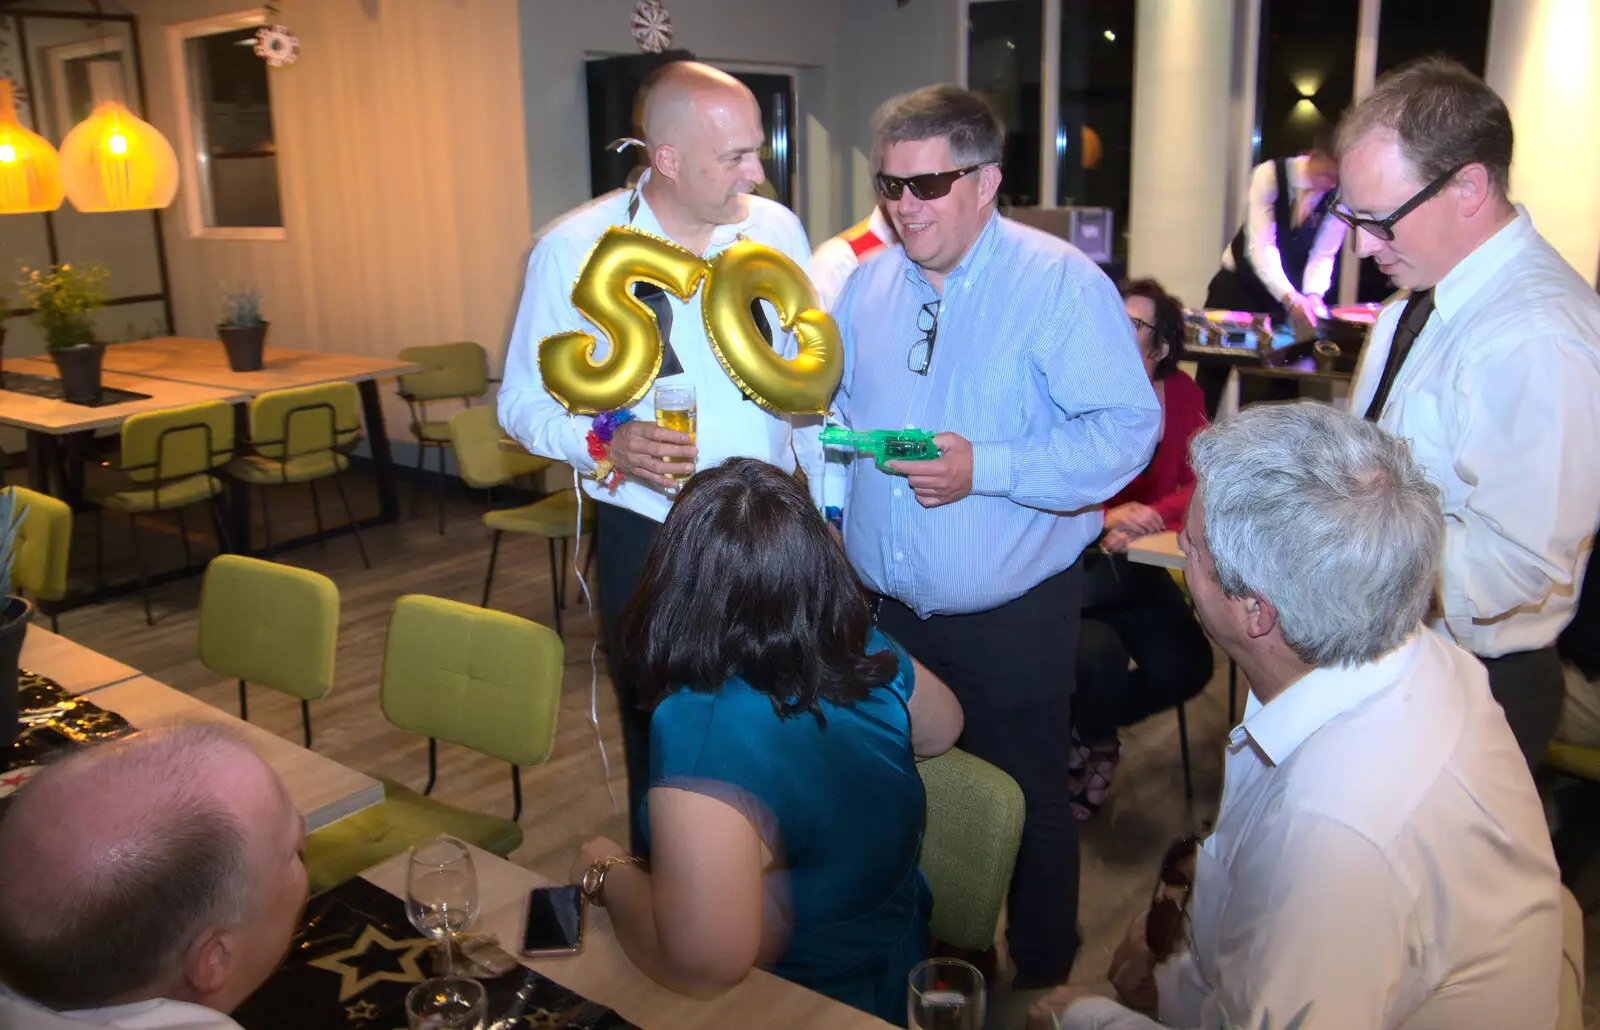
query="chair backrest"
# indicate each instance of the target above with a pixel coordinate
(969, 846)
(475, 436)
(305, 420)
(473, 676)
(43, 543)
(160, 446)
(449, 370)
(268, 624)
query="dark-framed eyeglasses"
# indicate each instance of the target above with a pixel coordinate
(1163, 926)
(1139, 323)
(1383, 228)
(928, 186)
(921, 354)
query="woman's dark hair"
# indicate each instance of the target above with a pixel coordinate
(745, 580)
(1168, 319)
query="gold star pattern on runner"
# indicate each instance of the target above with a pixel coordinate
(352, 980)
(361, 1011)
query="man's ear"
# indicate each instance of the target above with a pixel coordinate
(988, 184)
(208, 963)
(1472, 188)
(1261, 618)
(665, 161)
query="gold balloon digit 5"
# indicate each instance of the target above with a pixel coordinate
(603, 294)
(803, 384)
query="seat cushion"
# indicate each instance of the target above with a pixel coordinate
(404, 819)
(179, 493)
(302, 468)
(553, 517)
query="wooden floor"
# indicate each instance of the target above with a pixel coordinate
(566, 800)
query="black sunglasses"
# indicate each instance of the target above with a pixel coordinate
(1383, 228)
(921, 354)
(929, 186)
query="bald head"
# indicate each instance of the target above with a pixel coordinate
(678, 96)
(115, 861)
(703, 130)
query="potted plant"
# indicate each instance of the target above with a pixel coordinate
(64, 300)
(15, 612)
(242, 332)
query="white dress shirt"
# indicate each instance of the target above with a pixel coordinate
(1261, 232)
(727, 425)
(1380, 854)
(18, 1013)
(1500, 400)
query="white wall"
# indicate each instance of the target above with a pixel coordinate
(1544, 61)
(1183, 143)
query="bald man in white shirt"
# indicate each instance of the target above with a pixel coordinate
(1380, 855)
(1489, 366)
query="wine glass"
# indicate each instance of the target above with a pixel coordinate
(446, 1003)
(945, 994)
(442, 892)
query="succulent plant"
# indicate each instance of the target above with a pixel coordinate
(10, 522)
(241, 307)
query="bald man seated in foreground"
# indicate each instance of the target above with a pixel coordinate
(150, 883)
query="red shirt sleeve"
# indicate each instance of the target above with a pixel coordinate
(1185, 416)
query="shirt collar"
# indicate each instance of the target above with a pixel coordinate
(1474, 272)
(644, 219)
(972, 263)
(1281, 725)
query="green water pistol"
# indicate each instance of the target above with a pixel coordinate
(884, 444)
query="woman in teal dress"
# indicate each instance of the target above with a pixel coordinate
(785, 811)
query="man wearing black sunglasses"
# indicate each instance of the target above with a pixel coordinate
(1490, 367)
(1016, 351)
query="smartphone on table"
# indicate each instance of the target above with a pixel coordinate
(555, 921)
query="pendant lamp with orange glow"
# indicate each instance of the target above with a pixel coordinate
(30, 174)
(115, 161)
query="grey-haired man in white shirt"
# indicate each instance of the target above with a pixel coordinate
(1490, 368)
(1380, 854)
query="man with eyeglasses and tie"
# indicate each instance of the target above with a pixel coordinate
(1015, 350)
(1490, 368)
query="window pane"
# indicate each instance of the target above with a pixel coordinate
(1094, 144)
(1003, 63)
(233, 129)
(1423, 28)
(1307, 72)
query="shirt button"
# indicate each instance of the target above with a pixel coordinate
(899, 556)
(897, 491)
(910, 426)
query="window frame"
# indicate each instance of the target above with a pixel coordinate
(195, 185)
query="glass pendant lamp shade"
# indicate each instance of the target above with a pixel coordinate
(30, 173)
(115, 161)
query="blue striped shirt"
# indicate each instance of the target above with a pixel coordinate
(1035, 363)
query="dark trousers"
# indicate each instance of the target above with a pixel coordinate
(1529, 687)
(1134, 612)
(1012, 670)
(624, 538)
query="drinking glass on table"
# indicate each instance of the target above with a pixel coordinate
(675, 409)
(946, 994)
(442, 893)
(446, 1003)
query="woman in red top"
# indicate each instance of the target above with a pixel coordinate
(1131, 611)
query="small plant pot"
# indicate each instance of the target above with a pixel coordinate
(244, 345)
(79, 367)
(14, 615)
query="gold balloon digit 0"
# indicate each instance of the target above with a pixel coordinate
(602, 293)
(803, 384)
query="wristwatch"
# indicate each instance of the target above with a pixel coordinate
(594, 878)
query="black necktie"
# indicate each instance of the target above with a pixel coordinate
(1412, 319)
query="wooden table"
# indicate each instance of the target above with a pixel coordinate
(78, 669)
(602, 973)
(1158, 549)
(322, 789)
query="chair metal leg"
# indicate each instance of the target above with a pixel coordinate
(516, 793)
(55, 622)
(1233, 689)
(305, 720)
(416, 484)
(316, 513)
(442, 483)
(433, 765)
(355, 527)
(488, 578)
(266, 522)
(244, 703)
(564, 563)
(555, 591)
(219, 526)
(183, 534)
(1183, 747)
(138, 561)
(99, 548)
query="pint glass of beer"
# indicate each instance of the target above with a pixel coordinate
(675, 409)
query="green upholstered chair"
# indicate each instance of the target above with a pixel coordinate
(166, 463)
(272, 625)
(1583, 762)
(301, 436)
(450, 371)
(469, 676)
(43, 544)
(484, 464)
(969, 846)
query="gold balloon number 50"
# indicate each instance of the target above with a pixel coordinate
(744, 272)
